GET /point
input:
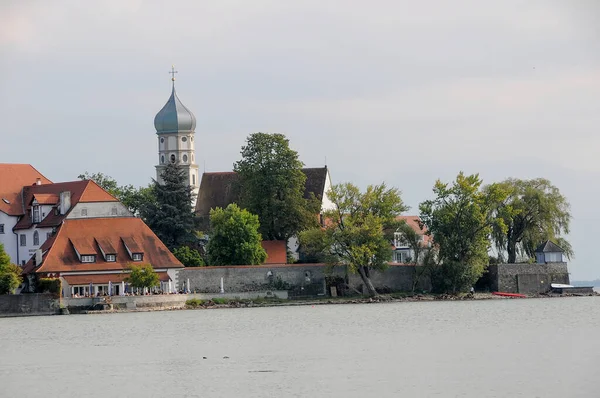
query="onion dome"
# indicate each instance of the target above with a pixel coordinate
(174, 117)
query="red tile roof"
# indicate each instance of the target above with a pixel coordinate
(413, 222)
(276, 251)
(85, 233)
(73, 280)
(46, 198)
(82, 191)
(13, 177)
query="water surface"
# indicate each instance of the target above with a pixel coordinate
(494, 348)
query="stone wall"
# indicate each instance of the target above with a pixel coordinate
(291, 276)
(28, 305)
(527, 278)
(163, 301)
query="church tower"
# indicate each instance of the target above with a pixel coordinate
(175, 126)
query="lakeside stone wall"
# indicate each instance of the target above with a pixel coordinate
(527, 278)
(293, 276)
(28, 305)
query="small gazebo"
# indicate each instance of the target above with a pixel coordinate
(549, 252)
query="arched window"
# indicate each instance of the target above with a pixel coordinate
(162, 140)
(162, 159)
(193, 179)
(173, 158)
(184, 158)
(36, 238)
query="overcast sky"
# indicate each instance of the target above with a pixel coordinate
(398, 91)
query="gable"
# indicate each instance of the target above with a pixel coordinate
(13, 177)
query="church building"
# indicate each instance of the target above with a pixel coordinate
(175, 127)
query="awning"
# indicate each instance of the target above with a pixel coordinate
(103, 279)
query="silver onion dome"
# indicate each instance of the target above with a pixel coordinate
(174, 117)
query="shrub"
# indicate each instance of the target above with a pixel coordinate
(49, 285)
(189, 257)
(194, 303)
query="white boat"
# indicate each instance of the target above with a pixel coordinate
(559, 286)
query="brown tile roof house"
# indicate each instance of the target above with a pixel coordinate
(13, 177)
(413, 222)
(95, 249)
(82, 191)
(221, 189)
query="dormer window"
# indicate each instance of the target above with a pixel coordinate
(88, 259)
(36, 214)
(111, 258)
(137, 256)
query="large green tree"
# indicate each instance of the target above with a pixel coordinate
(10, 274)
(171, 216)
(142, 276)
(358, 231)
(272, 187)
(535, 211)
(189, 257)
(133, 198)
(461, 218)
(234, 237)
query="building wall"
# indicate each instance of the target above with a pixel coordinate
(25, 252)
(253, 278)
(28, 305)
(527, 278)
(326, 203)
(99, 209)
(8, 238)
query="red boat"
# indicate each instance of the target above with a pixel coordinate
(509, 294)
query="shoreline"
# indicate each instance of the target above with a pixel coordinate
(249, 303)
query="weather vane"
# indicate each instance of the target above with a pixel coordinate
(172, 73)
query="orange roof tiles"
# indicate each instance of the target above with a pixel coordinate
(73, 280)
(13, 177)
(46, 198)
(276, 251)
(61, 256)
(413, 222)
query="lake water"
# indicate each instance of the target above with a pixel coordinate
(494, 348)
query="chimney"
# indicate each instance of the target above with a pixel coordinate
(38, 181)
(38, 257)
(65, 202)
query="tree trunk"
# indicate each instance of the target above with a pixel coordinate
(363, 275)
(511, 248)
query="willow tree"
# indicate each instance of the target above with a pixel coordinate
(358, 231)
(535, 211)
(461, 218)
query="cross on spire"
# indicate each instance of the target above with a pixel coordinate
(172, 73)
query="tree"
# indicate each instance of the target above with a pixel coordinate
(133, 198)
(423, 255)
(272, 187)
(234, 237)
(535, 211)
(10, 274)
(170, 215)
(142, 276)
(357, 232)
(189, 257)
(461, 219)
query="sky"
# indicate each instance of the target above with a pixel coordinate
(402, 92)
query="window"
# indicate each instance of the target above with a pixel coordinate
(137, 256)
(1, 228)
(162, 159)
(56, 211)
(172, 158)
(36, 214)
(84, 212)
(111, 258)
(183, 139)
(184, 158)
(23, 240)
(88, 259)
(36, 238)
(48, 235)
(193, 179)
(162, 140)
(113, 211)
